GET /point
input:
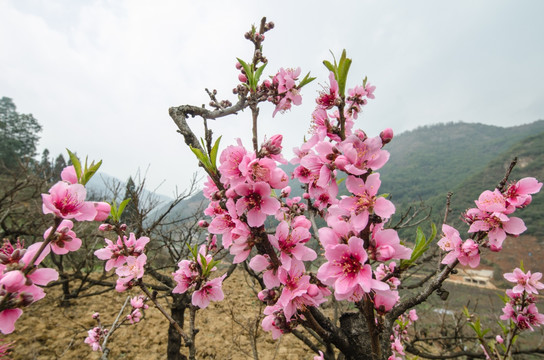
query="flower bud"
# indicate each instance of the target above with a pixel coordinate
(25, 299)
(242, 78)
(238, 66)
(123, 227)
(102, 211)
(285, 191)
(386, 135)
(203, 223)
(105, 227)
(96, 315)
(361, 134)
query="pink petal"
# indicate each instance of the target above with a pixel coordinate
(43, 276)
(7, 320)
(514, 226)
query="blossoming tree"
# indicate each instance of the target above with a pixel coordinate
(361, 261)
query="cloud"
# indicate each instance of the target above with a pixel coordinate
(101, 75)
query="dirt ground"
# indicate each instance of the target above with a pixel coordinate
(47, 331)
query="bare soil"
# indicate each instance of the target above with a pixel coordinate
(47, 331)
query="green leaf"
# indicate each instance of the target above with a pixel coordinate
(213, 154)
(258, 73)
(343, 69)
(249, 73)
(114, 211)
(89, 173)
(329, 66)
(503, 327)
(203, 262)
(420, 246)
(210, 266)
(77, 165)
(122, 206)
(307, 79)
(203, 158)
(364, 81)
(193, 250)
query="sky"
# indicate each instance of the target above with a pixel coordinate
(101, 75)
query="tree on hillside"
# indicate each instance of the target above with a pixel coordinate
(131, 211)
(18, 134)
(58, 166)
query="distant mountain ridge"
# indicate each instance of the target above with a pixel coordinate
(428, 162)
(465, 158)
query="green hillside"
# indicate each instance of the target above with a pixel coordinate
(530, 154)
(433, 160)
(463, 158)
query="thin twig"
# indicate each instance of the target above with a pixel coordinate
(114, 327)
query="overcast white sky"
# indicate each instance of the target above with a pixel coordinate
(100, 75)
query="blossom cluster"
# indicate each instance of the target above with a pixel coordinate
(400, 334)
(492, 214)
(193, 274)
(20, 282)
(244, 199)
(127, 256)
(20, 277)
(520, 307)
(138, 306)
(490, 218)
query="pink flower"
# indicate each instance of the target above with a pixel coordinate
(347, 271)
(386, 135)
(297, 292)
(275, 321)
(525, 281)
(364, 200)
(385, 245)
(115, 252)
(69, 175)
(230, 160)
(469, 254)
(256, 201)
(65, 239)
(134, 268)
(320, 356)
(362, 155)
(491, 201)
(496, 224)
(135, 316)
(291, 245)
(68, 202)
(412, 315)
(8, 318)
(94, 337)
(327, 99)
(185, 276)
(211, 291)
(138, 302)
(518, 194)
(102, 210)
(270, 276)
(287, 92)
(384, 300)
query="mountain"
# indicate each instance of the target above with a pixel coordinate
(464, 158)
(432, 160)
